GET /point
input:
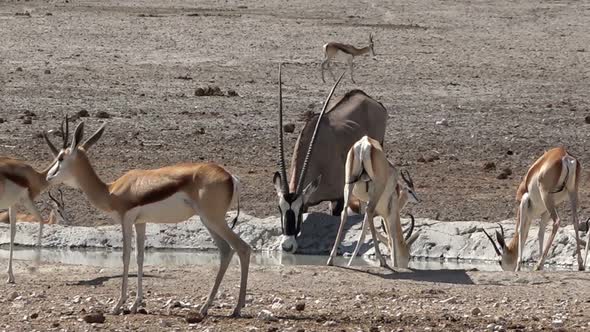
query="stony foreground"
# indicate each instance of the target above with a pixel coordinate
(303, 298)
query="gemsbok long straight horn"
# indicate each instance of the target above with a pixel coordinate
(320, 153)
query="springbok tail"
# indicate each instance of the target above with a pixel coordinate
(236, 196)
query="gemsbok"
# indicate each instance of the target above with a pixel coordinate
(552, 179)
(317, 166)
(57, 215)
(165, 195)
(371, 178)
(332, 49)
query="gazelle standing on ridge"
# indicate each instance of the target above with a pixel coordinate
(21, 183)
(371, 178)
(332, 49)
(552, 179)
(165, 195)
(57, 215)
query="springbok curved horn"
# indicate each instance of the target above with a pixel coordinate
(411, 230)
(65, 132)
(283, 169)
(61, 197)
(502, 230)
(314, 136)
(52, 198)
(407, 178)
(52, 147)
(493, 243)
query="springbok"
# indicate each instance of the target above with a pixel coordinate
(329, 136)
(552, 179)
(331, 50)
(371, 178)
(21, 183)
(406, 193)
(166, 195)
(57, 215)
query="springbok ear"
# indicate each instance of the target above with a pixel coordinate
(78, 135)
(311, 188)
(500, 239)
(94, 138)
(276, 179)
(412, 238)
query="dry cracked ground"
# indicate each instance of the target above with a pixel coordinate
(510, 79)
(301, 298)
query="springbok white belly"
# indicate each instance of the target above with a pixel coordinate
(11, 193)
(174, 209)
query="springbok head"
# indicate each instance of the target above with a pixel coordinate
(507, 260)
(292, 203)
(371, 44)
(71, 156)
(58, 213)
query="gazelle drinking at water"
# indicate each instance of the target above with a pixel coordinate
(552, 179)
(169, 194)
(371, 178)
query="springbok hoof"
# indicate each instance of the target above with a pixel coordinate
(236, 313)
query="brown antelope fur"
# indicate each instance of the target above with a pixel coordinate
(552, 179)
(332, 49)
(169, 194)
(371, 178)
(330, 134)
(20, 183)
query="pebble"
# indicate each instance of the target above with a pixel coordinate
(193, 317)
(329, 323)
(452, 299)
(13, 296)
(266, 315)
(300, 306)
(289, 127)
(102, 115)
(251, 328)
(94, 317)
(443, 122)
(557, 323)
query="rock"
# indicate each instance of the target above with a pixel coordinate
(329, 323)
(19, 69)
(557, 323)
(496, 305)
(193, 317)
(490, 327)
(47, 71)
(251, 328)
(94, 317)
(586, 119)
(82, 113)
(55, 324)
(199, 92)
(27, 120)
(374, 329)
(142, 311)
(12, 296)
(289, 127)
(476, 311)
(2, 120)
(451, 300)
(507, 170)
(300, 306)
(266, 315)
(232, 93)
(276, 306)
(103, 115)
(34, 315)
(442, 122)
(489, 166)
(272, 329)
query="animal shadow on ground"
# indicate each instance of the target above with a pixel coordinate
(459, 277)
(319, 230)
(101, 280)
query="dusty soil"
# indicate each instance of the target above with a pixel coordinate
(335, 299)
(510, 77)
